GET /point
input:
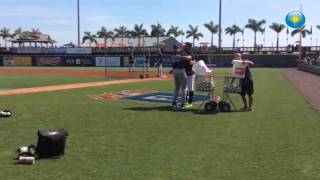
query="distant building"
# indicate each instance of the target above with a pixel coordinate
(32, 39)
(133, 42)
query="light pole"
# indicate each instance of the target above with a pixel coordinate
(220, 29)
(78, 5)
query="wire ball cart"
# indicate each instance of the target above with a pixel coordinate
(231, 85)
(206, 84)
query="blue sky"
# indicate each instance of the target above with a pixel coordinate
(58, 17)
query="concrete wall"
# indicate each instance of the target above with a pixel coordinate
(314, 69)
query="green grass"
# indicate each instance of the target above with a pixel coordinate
(25, 81)
(129, 140)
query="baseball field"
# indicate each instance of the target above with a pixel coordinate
(123, 139)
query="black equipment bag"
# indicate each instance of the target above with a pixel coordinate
(51, 142)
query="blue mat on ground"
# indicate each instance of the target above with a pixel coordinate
(162, 98)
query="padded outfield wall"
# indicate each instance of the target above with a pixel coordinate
(217, 60)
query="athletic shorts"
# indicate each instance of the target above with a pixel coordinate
(190, 82)
(246, 87)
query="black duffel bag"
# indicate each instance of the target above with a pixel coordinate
(51, 142)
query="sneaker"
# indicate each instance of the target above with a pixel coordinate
(249, 110)
(244, 109)
(188, 106)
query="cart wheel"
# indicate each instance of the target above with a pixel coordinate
(210, 106)
(226, 107)
(141, 76)
(221, 105)
(147, 76)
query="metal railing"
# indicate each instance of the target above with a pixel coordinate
(110, 50)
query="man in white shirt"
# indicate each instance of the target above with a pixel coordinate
(241, 69)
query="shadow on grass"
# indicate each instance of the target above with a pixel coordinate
(170, 109)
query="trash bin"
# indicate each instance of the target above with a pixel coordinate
(51, 142)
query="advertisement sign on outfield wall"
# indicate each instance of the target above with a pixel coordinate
(79, 51)
(83, 61)
(8, 61)
(139, 61)
(48, 61)
(108, 61)
(22, 61)
(167, 61)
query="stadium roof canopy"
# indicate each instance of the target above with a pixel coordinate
(29, 37)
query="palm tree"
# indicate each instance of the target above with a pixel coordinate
(103, 33)
(304, 32)
(318, 27)
(17, 31)
(174, 30)
(263, 32)
(90, 37)
(255, 26)
(193, 32)
(5, 33)
(35, 31)
(213, 28)
(157, 31)
(139, 31)
(232, 31)
(277, 28)
(122, 32)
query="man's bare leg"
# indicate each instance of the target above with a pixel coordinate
(244, 100)
(250, 102)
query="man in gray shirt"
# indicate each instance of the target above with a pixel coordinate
(179, 64)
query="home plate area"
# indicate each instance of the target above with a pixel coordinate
(144, 97)
(161, 97)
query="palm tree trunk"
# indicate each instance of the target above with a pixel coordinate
(300, 48)
(157, 41)
(193, 42)
(277, 42)
(122, 38)
(255, 40)
(234, 42)
(211, 39)
(5, 42)
(105, 42)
